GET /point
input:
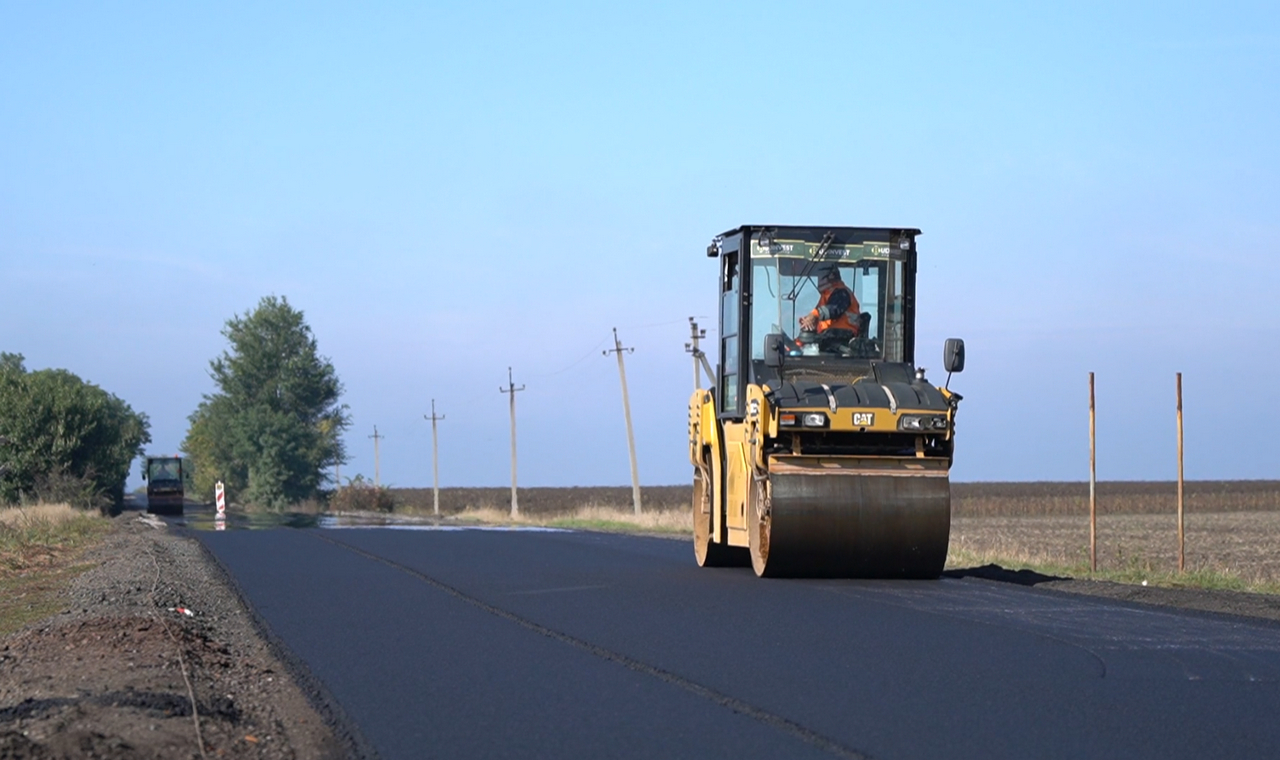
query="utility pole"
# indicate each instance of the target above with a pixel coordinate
(377, 474)
(435, 459)
(327, 428)
(699, 357)
(626, 410)
(511, 390)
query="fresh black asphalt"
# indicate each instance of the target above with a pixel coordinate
(487, 644)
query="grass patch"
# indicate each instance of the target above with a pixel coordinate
(28, 534)
(544, 501)
(34, 595)
(602, 518)
(614, 526)
(39, 546)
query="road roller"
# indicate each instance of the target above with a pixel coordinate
(822, 450)
(164, 484)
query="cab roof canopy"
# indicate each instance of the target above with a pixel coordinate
(805, 232)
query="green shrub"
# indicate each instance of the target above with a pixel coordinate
(64, 437)
(80, 491)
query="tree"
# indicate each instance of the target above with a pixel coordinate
(274, 427)
(56, 430)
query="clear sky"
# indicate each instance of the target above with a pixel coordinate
(449, 189)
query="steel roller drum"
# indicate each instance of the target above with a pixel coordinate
(843, 524)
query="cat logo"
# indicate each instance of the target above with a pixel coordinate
(864, 419)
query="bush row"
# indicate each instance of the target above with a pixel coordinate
(63, 439)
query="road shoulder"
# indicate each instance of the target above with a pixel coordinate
(111, 674)
(1217, 601)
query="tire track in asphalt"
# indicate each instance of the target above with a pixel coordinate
(746, 709)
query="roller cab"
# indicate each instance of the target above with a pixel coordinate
(821, 450)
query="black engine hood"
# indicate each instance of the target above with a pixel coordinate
(885, 386)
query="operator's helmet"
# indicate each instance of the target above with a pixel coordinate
(827, 274)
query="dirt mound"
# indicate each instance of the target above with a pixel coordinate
(114, 674)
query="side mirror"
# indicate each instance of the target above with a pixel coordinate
(953, 355)
(773, 343)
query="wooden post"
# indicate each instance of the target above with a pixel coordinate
(1181, 537)
(626, 410)
(1093, 481)
(511, 390)
(435, 460)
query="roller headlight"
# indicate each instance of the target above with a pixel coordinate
(802, 419)
(922, 423)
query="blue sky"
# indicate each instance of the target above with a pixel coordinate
(449, 189)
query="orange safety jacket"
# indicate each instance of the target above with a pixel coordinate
(839, 321)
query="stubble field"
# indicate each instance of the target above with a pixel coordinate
(1231, 529)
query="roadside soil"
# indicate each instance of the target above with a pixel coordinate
(113, 673)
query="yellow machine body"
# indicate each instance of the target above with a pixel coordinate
(829, 462)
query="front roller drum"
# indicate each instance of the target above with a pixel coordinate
(850, 525)
(165, 504)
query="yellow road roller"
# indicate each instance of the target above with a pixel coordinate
(822, 450)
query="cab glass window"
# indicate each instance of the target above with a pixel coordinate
(730, 297)
(164, 469)
(795, 279)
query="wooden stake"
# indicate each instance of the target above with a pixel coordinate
(1181, 537)
(1093, 481)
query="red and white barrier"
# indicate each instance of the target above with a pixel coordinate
(220, 497)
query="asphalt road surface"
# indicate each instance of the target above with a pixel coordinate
(482, 643)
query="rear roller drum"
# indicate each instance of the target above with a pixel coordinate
(707, 552)
(760, 526)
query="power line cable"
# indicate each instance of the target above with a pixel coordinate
(606, 339)
(585, 356)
